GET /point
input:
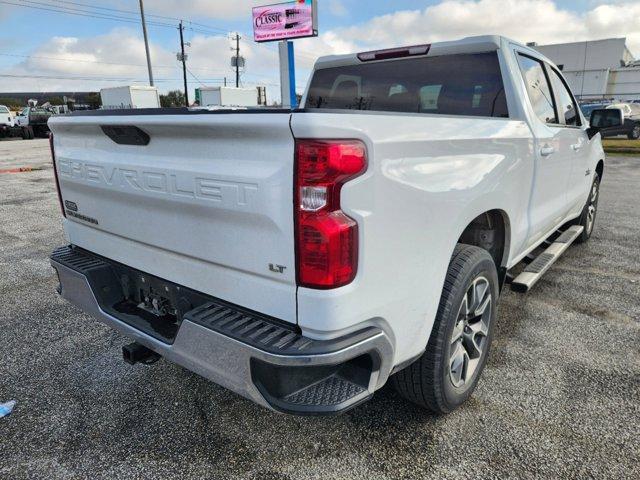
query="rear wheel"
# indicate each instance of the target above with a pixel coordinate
(449, 369)
(588, 217)
(635, 133)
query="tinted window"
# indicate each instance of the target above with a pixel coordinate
(4, 109)
(587, 109)
(538, 89)
(445, 85)
(566, 106)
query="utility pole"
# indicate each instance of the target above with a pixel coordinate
(237, 39)
(146, 43)
(183, 57)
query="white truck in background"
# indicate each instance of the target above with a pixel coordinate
(129, 97)
(6, 117)
(227, 97)
(304, 258)
(29, 123)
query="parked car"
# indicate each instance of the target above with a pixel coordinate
(631, 124)
(631, 118)
(304, 258)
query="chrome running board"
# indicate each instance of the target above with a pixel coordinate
(534, 271)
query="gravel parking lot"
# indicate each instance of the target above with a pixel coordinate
(560, 397)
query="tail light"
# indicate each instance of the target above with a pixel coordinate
(55, 173)
(326, 238)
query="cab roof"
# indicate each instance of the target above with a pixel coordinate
(476, 44)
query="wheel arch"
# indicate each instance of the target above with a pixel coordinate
(600, 168)
(491, 231)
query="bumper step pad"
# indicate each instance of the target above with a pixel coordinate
(333, 390)
(266, 333)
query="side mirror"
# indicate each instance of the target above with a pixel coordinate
(604, 119)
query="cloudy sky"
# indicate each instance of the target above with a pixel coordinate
(79, 45)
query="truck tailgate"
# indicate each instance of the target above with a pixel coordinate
(207, 203)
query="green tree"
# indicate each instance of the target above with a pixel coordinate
(174, 98)
(56, 101)
(93, 99)
(12, 103)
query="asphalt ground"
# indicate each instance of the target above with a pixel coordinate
(560, 397)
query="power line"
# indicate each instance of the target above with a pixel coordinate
(65, 10)
(61, 9)
(97, 79)
(205, 29)
(95, 7)
(74, 60)
(197, 79)
(203, 81)
(147, 14)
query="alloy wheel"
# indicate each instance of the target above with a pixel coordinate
(469, 336)
(592, 207)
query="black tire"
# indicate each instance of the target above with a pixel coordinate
(25, 133)
(429, 381)
(592, 201)
(634, 134)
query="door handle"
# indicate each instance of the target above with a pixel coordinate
(576, 147)
(547, 150)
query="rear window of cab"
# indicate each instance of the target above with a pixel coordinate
(465, 84)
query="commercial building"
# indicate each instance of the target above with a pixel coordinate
(599, 69)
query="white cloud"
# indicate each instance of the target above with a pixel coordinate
(120, 54)
(219, 9)
(524, 20)
(337, 8)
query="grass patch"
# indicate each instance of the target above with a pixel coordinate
(612, 145)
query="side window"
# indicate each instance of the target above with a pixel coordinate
(538, 89)
(566, 106)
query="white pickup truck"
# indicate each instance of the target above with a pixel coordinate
(304, 258)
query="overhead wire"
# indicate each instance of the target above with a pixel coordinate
(89, 11)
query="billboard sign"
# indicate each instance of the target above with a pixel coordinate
(283, 21)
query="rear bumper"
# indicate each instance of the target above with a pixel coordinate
(254, 356)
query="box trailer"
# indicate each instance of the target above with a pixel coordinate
(129, 97)
(227, 96)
